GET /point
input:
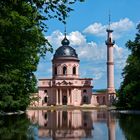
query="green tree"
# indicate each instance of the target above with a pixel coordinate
(129, 93)
(22, 43)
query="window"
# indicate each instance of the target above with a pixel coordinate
(97, 99)
(45, 116)
(74, 71)
(64, 70)
(45, 91)
(55, 70)
(85, 99)
(103, 99)
(85, 91)
(45, 99)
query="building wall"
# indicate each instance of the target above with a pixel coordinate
(69, 64)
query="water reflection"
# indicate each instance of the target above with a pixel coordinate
(74, 124)
(130, 124)
(70, 125)
(14, 127)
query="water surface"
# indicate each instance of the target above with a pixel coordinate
(70, 125)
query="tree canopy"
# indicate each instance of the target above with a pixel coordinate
(129, 93)
(22, 43)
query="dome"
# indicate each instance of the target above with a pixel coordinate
(65, 50)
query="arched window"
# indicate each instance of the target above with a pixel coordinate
(45, 91)
(74, 70)
(55, 70)
(64, 70)
(84, 91)
(45, 99)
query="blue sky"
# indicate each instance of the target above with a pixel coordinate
(86, 27)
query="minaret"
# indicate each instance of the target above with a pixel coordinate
(110, 62)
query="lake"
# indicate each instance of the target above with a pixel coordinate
(70, 125)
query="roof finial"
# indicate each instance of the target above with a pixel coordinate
(65, 31)
(65, 41)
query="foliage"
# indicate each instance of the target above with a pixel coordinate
(129, 93)
(22, 43)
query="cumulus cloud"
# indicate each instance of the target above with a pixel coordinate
(55, 38)
(76, 38)
(86, 50)
(91, 54)
(119, 27)
(96, 29)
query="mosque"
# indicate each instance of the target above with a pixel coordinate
(66, 87)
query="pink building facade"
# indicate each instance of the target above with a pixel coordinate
(66, 87)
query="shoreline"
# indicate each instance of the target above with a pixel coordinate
(60, 107)
(70, 107)
(67, 107)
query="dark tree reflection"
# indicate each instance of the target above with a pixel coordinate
(130, 124)
(14, 127)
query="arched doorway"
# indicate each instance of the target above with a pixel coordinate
(64, 100)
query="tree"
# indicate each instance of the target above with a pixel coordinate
(129, 93)
(22, 43)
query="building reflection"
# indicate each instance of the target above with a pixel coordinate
(71, 124)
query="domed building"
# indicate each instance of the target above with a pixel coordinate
(65, 87)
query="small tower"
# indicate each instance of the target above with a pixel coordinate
(110, 64)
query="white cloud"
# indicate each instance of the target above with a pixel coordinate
(122, 25)
(120, 56)
(96, 29)
(91, 54)
(87, 50)
(119, 27)
(76, 38)
(55, 38)
(92, 51)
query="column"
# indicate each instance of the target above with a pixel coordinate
(56, 96)
(68, 97)
(56, 119)
(60, 96)
(60, 118)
